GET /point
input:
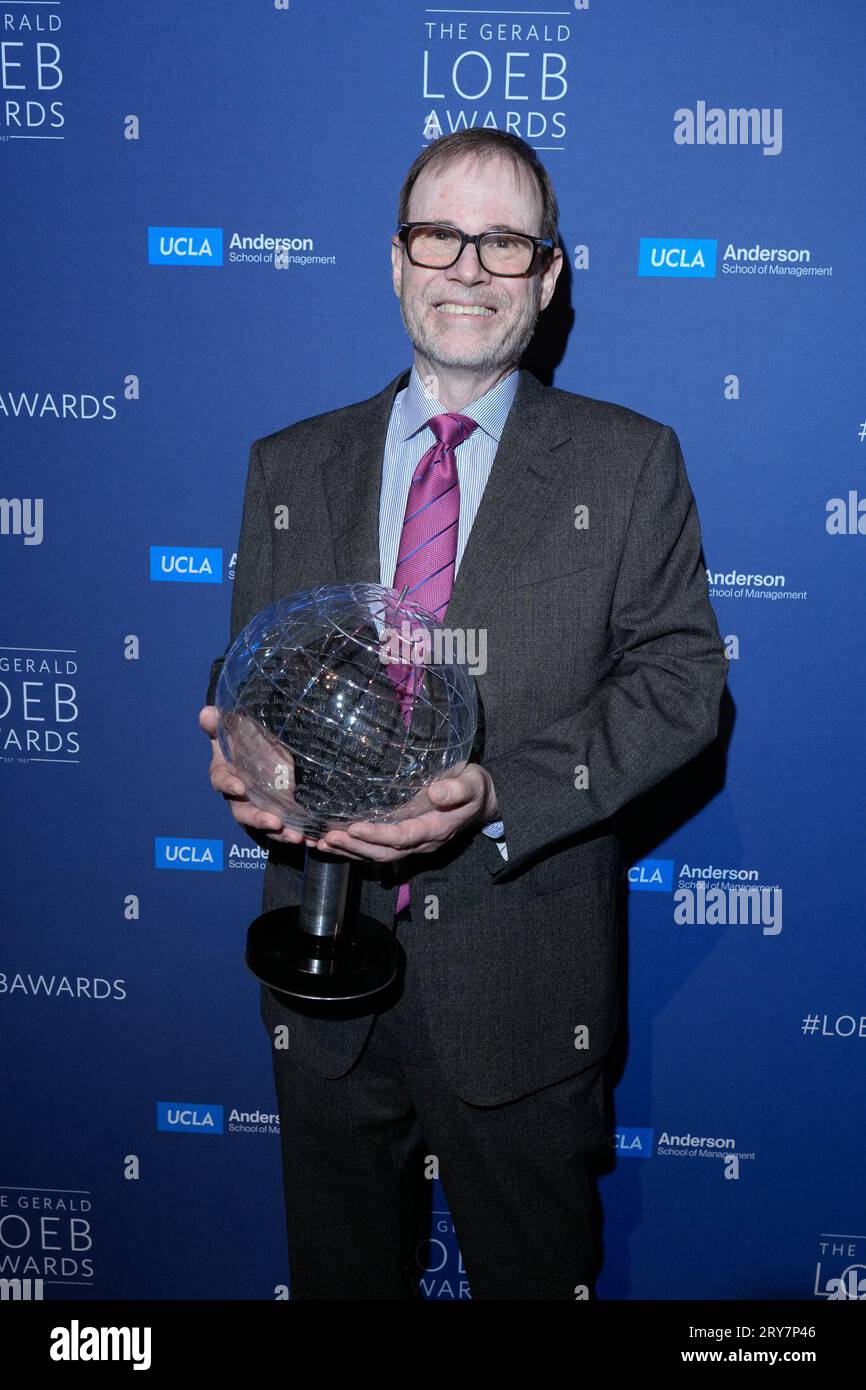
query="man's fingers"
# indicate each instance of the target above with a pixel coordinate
(450, 792)
(224, 780)
(246, 814)
(244, 811)
(403, 835)
(285, 836)
(384, 843)
(208, 718)
(353, 848)
(370, 833)
(327, 847)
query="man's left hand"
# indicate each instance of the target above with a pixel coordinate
(457, 802)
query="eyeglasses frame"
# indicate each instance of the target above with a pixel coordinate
(404, 228)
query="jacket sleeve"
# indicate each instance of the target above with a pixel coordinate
(659, 703)
(253, 568)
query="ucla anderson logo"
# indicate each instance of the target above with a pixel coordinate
(631, 1142)
(189, 1117)
(676, 255)
(652, 876)
(173, 852)
(186, 564)
(185, 246)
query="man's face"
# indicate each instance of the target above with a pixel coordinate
(476, 195)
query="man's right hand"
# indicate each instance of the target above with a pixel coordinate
(224, 779)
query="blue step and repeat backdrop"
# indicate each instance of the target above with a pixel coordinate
(708, 160)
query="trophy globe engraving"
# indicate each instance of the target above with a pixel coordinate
(337, 704)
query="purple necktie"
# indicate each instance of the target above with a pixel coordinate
(428, 543)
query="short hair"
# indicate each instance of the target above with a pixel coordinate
(483, 142)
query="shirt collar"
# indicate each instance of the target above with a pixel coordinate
(489, 412)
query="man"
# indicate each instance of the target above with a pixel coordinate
(564, 529)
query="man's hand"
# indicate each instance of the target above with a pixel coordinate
(455, 802)
(449, 805)
(224, 779)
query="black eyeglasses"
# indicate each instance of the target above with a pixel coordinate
(435, 246)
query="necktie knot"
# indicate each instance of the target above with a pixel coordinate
(452, 428)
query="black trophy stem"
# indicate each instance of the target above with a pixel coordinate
(312, 951)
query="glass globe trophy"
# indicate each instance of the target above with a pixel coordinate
(339, 704)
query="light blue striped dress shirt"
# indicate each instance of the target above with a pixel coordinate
(408, 439)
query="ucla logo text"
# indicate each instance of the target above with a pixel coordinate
(652, 876)
(668, 255)
(630, 1142)
(185, 246)
(189, 1117)
(171, 852)
(186, 564)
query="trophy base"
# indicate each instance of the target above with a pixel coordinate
(353, 964)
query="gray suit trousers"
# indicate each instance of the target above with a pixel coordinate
(517, 1176)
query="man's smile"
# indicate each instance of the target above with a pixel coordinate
(453, 306)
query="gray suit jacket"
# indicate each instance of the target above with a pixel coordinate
(603, 652)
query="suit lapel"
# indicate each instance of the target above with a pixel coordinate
(525, 470)
(352, 481)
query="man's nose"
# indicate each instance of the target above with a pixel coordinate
(468, 269)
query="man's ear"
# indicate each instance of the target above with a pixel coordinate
(549, 277)
(397, 264)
